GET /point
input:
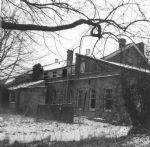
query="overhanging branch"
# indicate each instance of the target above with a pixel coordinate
(25, 27)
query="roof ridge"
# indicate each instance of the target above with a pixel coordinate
(121, 65)
(128, 46)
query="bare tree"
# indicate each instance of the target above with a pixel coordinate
(13, 52)
(103, 18)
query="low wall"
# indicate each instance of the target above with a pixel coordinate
(63, 113)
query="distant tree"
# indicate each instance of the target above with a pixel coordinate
(37, 72)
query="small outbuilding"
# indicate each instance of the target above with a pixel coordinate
(24, 98)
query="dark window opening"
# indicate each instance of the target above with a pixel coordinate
(46, 76)
(64, 72)
(54, 74)
(93, 101)
(108, 99)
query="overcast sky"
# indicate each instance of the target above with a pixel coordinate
(55, 45)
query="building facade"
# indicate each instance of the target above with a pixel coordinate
(93, 86)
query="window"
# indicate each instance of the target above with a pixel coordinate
(54, 74)
(64, 73)
(82, 67)
(45, 75)
(92, 99)
(108, 99)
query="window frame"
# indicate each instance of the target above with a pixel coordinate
(54, 74)
(108, 98)
(91, 98)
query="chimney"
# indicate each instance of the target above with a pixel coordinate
(141, 47)
(56, 60)
(122, 43)
(69, 57)
(87, 52)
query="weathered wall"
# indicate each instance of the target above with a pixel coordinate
(99, 84)
(27, 99)
(131, 57)
(4, 97)
(1, 96)
(93, 66)
(59, 72)
(98, 75)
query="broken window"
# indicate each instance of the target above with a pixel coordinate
(92, 99)
(108, 99)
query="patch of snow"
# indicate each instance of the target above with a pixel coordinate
(126, 66)
(26, 129)
(1, 119)
(98, 118)
(139, 141)
(9, 81)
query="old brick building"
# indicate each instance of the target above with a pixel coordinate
(93, 85)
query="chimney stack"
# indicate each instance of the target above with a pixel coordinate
(122, 43)
(69, 57)
(87, 52)
(56, 60)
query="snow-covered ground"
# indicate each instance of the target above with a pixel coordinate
(139, 141)
(27, 129)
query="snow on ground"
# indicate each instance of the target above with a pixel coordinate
(139, 141)
(27, 129)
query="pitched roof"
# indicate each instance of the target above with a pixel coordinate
(127, 66)
(136, 47)
(119, 64)
(27, 85)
